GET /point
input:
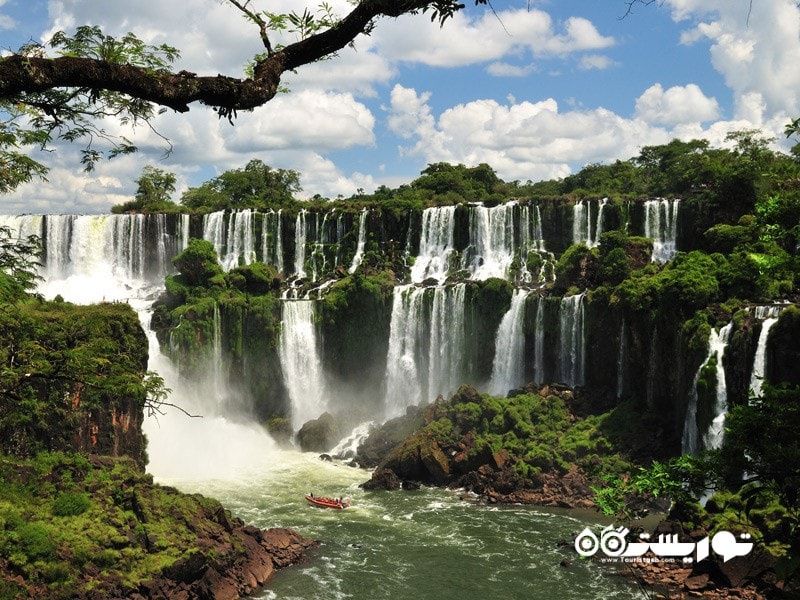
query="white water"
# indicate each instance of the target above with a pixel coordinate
(572, 340)
(300, 244)
(426, 341)
(661, 225)
(768, 315)
(508, 365)
(362, 240)
(492, 247)
(711, 439)
(301, 363)
(435, 245)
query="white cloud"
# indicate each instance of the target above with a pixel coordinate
(503, 69)
(676, 105)
(754, 46)
(487, 38)
(592, 62)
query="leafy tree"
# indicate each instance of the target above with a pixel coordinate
(153, 191)
(64, 89)
(255, 186)
(18, 265)
(198, 262)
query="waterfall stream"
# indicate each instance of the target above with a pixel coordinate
(572, 338)
(509, 354)
(362, 240)
(301, 363)
(661, 224)
(768, 315)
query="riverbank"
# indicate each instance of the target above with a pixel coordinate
(97, 527)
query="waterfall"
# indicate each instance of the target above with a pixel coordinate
(426, 341)
(509, 354)
(300, 244)
(599, 229)
(362, 240)
(301, 361)
(622, 359)
(219, 383)
(690, 443)
(318, 260)
(240, 247)
(491, 249)
(712, 439)
(768, 315)
(572, 340)
(661, 225)
(538, 343)
(214, 231)
(581, 223)
(435, 244)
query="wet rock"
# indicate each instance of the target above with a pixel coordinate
(383, 479)
(319, 435)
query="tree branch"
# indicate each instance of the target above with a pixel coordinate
(20, 75)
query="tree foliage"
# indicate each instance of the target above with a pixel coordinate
(64, 89)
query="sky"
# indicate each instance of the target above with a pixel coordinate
(535, 89)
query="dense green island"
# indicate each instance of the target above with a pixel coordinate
(75, 387)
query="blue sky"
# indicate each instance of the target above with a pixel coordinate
(537, 91)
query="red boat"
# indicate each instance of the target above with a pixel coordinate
(328, 502)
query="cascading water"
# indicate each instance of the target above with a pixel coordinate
(661, 225)
(509, 356)
(301, 362)
(572, 340)
(599, 228)
(362, 240)
(300, 244)
(768, 315)
(435, 245)
(492, 248)
(426, 341)
(240, 247)
(712, 439)
(691, 440)
(582, 223)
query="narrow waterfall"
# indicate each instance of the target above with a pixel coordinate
(403, 383)
(599, 228)
(509, 354)
(272, 239)
(362, 240)
(622, 359)
(214, 231)
(218, 370)
(240, 246)
(661, 225)
(712, 439)
(768, 315)
(492, 247)
(538, 343)
(317, 259)
(183, 231)
(447, 336)
(691, 440)
(572, 340)
(426, 340)
(300, 244)
(531, 240)
(582, 223)
(435, 245)
(341, 231)
(301, 361)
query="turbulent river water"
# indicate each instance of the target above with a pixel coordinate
(411, 544)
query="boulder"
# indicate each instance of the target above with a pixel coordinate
(319, 435)
(383, 479)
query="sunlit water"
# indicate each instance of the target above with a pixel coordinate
(408, 544)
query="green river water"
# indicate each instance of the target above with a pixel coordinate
(424, 544)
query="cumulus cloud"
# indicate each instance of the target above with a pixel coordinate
(503, 69)
(676, 105)
(487, 38)
(754, 46)
(598, 62)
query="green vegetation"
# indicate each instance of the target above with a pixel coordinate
(70, 526)
(539, 433)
